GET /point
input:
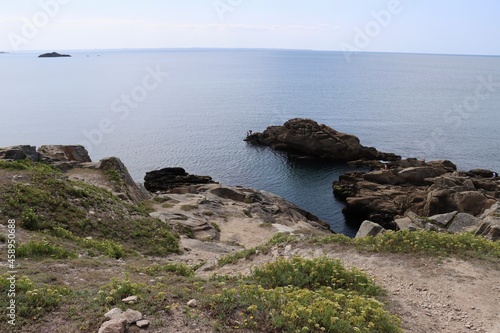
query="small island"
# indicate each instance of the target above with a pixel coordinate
(53, 55)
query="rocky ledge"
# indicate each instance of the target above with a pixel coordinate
(305, 138)
(53, 55)
(412, 189)
(169, 178)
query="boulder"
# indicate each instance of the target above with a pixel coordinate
(169, 178)
(463, 222)
(369, 228)
(131, 316)
(117, 325)
(490, 225)
(443, 220)
(113, 313)
(419, 175)
(305, 138)
(19, 153)
(64, 153)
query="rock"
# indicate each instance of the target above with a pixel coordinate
(142, 323)
(64, 153)
(419, 175)
(403, 223)
(228, 193)
(305, 138)
(210, 265)
(113, 313)
(443, 220)
(53, 55)
(130, 190)
(463, 222)
(482, 173)
(192, 303)
(369, 228)
(130, 300)
(490, 225)
(19, 153)
(117, 325)
(426, 189)
(169, 178)
(473, 202)
(131, 316)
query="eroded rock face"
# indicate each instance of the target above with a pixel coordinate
(19, 153)
(305, 138)
(64, 153)
(168, 178)
(426, 189)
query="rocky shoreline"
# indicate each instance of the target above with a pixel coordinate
(190, 204)
(395, 190)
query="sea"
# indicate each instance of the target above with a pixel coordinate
(193, 107)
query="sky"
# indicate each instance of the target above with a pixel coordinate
(413, 26)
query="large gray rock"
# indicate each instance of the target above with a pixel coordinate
(117, 325)
(369, 228)
(463, 222)
(442, 220)
(19, 153)
(306, 138)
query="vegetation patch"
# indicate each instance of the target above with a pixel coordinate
(297, 303)
(32, 300)
(41, 249)
(423, 242)
(180, 269)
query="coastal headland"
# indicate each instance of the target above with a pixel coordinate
(183, 252)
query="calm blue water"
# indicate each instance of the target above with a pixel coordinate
(198, 115)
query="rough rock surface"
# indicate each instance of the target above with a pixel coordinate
(305, 138)
(19, 153)
(64, 153)
(208, 208)
(425, 189)
(169, 178)
(369, 228)
(490, 227)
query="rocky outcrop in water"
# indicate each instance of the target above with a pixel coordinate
(53, 55)
(168, 178)
(425, 189)
(305, 138)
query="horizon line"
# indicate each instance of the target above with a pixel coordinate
(246, 48)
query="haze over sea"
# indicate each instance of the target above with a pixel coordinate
(424, 106)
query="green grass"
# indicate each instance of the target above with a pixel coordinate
(65, 204)
(180, 269)
(422, 242)
(43, 248)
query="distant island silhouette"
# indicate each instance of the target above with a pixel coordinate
(53, 55)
